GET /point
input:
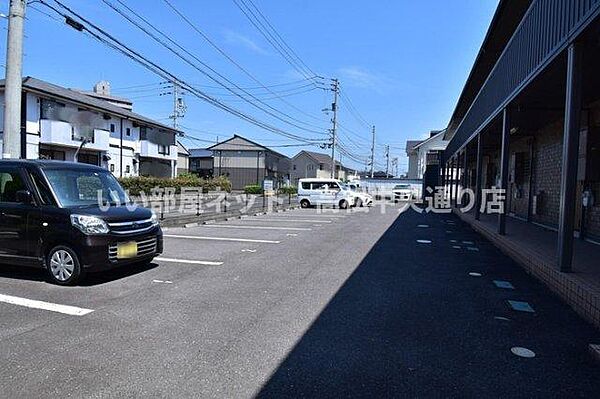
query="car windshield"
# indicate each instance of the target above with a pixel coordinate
(402, 187)
(85, 187)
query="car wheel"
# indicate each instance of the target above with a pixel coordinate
(304, 204)
(63, 266)
(358, 203)
(343, 204)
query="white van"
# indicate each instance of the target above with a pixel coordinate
(329, 192)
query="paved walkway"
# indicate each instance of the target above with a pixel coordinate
(535, 248)
(412, 321)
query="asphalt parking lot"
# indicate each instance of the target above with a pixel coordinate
(297, 304)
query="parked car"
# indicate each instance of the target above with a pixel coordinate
(71, 218)
(360, 199)
(403, 192)
(329, 192)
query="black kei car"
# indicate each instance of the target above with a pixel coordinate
(71, 218)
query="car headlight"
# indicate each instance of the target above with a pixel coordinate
(89, 224)
(154, 219)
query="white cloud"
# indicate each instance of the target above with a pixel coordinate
(235, 38)
(356, 76)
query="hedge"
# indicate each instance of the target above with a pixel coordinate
(137, 185)
(288, 190)
(253, 189)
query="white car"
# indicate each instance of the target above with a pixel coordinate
(360, 199)
(403, 192)
(329, 192)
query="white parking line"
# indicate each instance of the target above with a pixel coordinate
(312, 215)
(237, 226)
(288, 220)
(222, 239)
(52, 307)
(191, 262)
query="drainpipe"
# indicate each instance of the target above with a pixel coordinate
(121, 151)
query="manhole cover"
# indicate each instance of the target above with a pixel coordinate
(424, 241)
(522, 352)
(475, 274)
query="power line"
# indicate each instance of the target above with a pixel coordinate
(230, 59)
(282, 41)
(260, 26)
(271, 113)
(112, 42)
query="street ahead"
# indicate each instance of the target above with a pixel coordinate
(298, 304)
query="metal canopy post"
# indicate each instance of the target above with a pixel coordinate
(451, 181)
(465, 168)
(504, 168)
(478, 177)
(568, 182)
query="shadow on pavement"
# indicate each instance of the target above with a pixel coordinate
(411, 322)
(90, 279)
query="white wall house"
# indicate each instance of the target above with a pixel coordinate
(58, 120)
(309, 164)
(417, 161)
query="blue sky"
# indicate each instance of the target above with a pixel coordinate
(401, 63)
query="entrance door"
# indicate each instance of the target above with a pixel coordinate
(17, 246)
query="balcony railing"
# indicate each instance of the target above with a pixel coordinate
(152, 150)
(545, 30)
(65, 134)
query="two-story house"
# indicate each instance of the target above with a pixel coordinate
(309, 164)
(246, 162)
(70, 125)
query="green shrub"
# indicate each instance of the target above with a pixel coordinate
(253, 189)
(288, 190)
(137, 185)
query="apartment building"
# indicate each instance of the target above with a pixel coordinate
(71, 125)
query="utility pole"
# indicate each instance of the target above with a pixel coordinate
(387, 161)
(13, 81)
(335, 86)
(373, 154)
(179, 106)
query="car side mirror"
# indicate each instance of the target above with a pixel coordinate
(24, 197)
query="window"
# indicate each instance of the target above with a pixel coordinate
(320, 166)
(10, 183)
(164, 149)
(127, 169)
(143, 133)
(51, 154)
(112, 167)
(91, 159)
(306, 186)
(112, 127)
(53, 110)
(43, 190)
(128, 132)
(294, 167)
